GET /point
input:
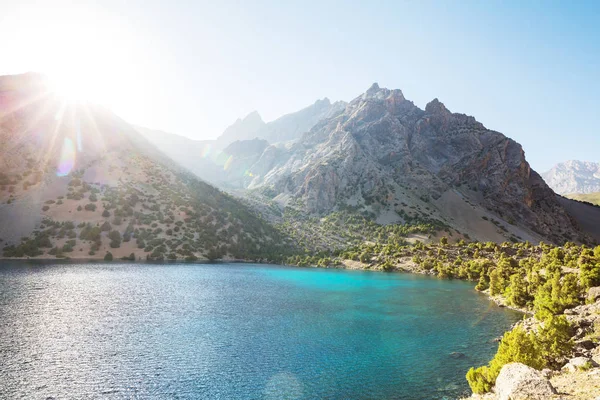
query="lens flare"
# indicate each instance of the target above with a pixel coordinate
(220, 158)
(78, 131)
(228, 163)
(67, 158)
(206, 150)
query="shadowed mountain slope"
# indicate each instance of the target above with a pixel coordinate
(78, 181)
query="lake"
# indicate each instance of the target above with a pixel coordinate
(238, 331)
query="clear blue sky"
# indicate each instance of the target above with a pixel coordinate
(528, 69)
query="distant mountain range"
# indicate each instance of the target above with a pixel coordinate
(574, 177)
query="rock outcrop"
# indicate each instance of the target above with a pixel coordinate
(579, 363)
(517, 381)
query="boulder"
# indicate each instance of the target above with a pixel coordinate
(517, 381)
(578, 363)
(596, 355)
(594, 293)
(585, 344)
(547, 373)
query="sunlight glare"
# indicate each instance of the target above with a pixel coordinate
(87, 54)
(67, 158)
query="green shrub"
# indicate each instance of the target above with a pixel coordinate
(537, 350)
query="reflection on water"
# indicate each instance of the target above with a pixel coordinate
(237, 331)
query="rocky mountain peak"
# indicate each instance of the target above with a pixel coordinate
(373, 89)
(436, 107)
(323, 102)
(377, 93)
(253, 117)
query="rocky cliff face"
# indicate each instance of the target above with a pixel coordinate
(386, 156)
(574, 177)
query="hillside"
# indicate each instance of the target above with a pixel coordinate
(574, 177)
(593, 198)
(78, 182)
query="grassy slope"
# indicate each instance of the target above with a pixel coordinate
(593, 198)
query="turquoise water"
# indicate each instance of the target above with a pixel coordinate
(237, 331)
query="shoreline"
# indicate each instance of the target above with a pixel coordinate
(346, 265)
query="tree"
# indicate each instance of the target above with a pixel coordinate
(538, 350)
(482, 284)
(554, 340)
(115, 239)
(517, 291)
(108, 256)
(496, 282)
(105, 213)
(590, 272)
(554, 296)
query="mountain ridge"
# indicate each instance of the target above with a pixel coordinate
(574, 176)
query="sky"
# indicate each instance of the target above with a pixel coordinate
(529, 69)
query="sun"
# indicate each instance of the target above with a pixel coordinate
(87, 53)
(74, 88)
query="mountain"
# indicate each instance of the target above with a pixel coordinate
(242, 129)
(592, 198)
(385, 157)
(574, 177)
(224, 163)
(293, 125)
(288, 127)
(77, 181)
(198, 156)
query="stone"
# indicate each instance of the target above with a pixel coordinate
(547, 373)
(517, 381)
(594, 293)
(586, 344)
(457, 355)
(579, 363)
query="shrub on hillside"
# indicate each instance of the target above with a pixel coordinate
(538, 350)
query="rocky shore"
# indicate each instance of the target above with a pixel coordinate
(579, 377)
